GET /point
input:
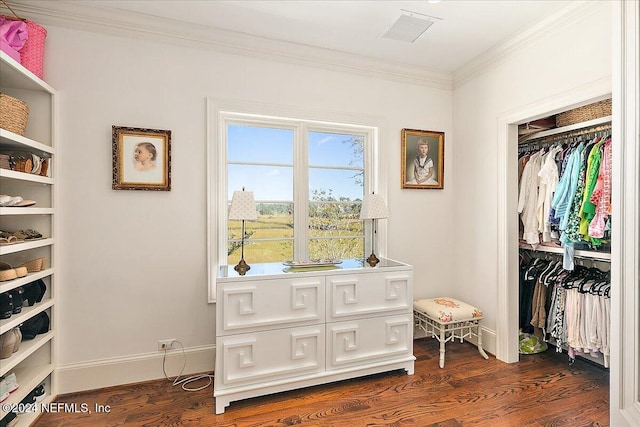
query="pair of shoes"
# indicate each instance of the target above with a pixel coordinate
(7, 238)
(33, 292)
(35, 265)
(14, 201)
(7, 272)
(6, 305)
(11, 302)
(28, 234)
(38, 324)
(8, 385)
(10, 342)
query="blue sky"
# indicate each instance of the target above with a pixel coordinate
(275, 147)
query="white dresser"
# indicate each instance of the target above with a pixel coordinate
(280, 329)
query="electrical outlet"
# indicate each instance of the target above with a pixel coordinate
(165, 344)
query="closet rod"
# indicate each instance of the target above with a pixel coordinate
(579, 253)
(582, 127)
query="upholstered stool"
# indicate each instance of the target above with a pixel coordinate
(446, 319)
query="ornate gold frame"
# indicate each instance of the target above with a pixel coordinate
(409, 154)
(128, 174)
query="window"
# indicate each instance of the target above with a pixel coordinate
(308, 178)
(308, 182)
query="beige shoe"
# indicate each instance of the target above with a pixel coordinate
(7, 342)
(18, 335)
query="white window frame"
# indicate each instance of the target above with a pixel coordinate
(220, 113)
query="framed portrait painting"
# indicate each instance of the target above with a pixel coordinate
(422, 159)
(141, 159)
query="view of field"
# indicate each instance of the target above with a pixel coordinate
(335, 231)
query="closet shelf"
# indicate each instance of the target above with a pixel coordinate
(25, 314)
(29, 244)
(13, 141)
(26, 211)
(603, 256)
(31, 277)
(22, 176)
(14, 75)
(565, 129)
(27, 348)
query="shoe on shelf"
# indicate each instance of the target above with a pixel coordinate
(6, 305)
(14, 201)
(4, 390)
(39, 393)
(35, 265)
(7, 272)
(9, 420)
(34, 292)
(18, 333)
(8, 239)
(7, 342)
(16, 295)
(28, 234)
(12, 382)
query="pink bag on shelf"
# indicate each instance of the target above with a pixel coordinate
(13, 35)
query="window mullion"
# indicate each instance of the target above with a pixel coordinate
(301, 192)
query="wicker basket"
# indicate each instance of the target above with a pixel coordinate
(14, 114)
(582, 114)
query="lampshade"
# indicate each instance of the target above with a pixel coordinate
(243, 206)
(373, 207)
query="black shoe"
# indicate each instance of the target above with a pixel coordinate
(34, 291)
(42, 288)
(16, 294)
(38, 392)
(6, 305)
(7, 420)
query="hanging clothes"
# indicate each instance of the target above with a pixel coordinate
(571, 308)
(564, 195)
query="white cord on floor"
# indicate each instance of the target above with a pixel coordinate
(184, 381)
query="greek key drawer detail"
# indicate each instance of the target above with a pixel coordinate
(264, 356)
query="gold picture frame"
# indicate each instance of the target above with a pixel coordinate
(422, 159)
(141, 159)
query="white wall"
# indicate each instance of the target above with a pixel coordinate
(574, 54)
(133, 267)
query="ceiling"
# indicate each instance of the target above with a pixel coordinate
(462, 29)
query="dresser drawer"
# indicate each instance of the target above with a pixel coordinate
(366, 341)
(368, 294)
(259, 305)
(261, 357)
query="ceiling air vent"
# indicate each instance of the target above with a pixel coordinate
(409, 26)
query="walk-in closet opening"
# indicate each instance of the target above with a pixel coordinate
(564, 234)
(547, 271)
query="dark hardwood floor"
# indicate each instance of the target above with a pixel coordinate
(540, 390)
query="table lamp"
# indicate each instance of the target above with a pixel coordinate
(373, 208)
(243, 207)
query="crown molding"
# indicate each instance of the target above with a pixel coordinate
(121, 23)
(503, 51)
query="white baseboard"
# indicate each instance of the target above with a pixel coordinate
(132, 369)
(115, 371)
